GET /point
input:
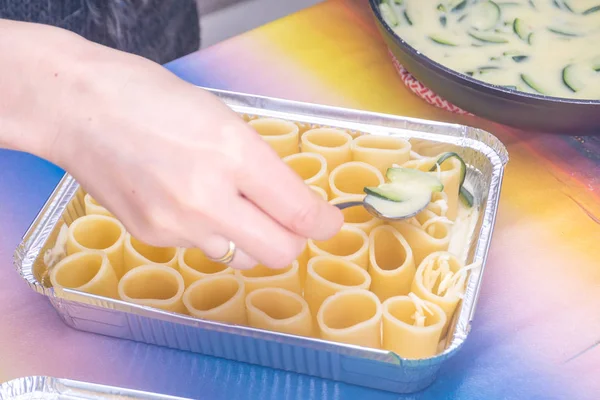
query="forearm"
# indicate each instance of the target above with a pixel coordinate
(53, 84)
(35, 78)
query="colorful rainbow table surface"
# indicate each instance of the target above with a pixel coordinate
(536, 333)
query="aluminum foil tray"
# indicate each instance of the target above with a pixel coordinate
(47, 388)
(485, 156)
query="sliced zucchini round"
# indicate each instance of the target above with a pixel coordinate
(448, 155)
(392, 191)
(564, 31)
(577, 76)
(522, 29)
(413, 177)
(571, 78)
(519, 58)
(595, 63)
(488, 37)
(531, 83)
(591, 10)
(443, 41)
(465, 196)
(404, 209)
(407, 17)
(561, 5)
(484, 16)
(457, 6)
(389, 15)
(443, 20)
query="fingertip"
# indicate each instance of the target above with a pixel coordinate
(330, 221)
(286, 258)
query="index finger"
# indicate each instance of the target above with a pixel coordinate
(278, 191)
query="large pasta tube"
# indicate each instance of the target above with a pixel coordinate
(282, 136)
(303, 264)
(449, 173)
(139, 253)
(279, 310)
(92, 207)
(320, 191)
(426, 234)
(86, 271)
(353, 317)
(412, 328)
(155, 286)
(391, 263)
(194, 265)
(311, 167)
(358, 217)
(351, 178)
(333, 144)
(98, 232)
(261, 276)
(381, 151)
(217, 298)
(350, 243)
(327, 275)
(441, 279)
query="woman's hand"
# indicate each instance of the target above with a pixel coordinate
(176, 165)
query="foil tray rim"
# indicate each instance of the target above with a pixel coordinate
(72, 389)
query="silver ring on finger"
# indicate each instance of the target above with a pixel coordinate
(228, 257)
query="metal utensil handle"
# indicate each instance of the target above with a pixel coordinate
(347, 204)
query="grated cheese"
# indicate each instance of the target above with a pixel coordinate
(420, 307)
(59, 250)
(455, 285)
(439, 203)
(452, 284)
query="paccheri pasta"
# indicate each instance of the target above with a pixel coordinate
(98, 232)
(261, 277)
(351, 178)
(217, 298)
(350, 243)
(380, 284)
(92, 207)
(86, 271)
(138, 253)
(279, 310)
(155, 286)
(194, 265)
(311, 167)
(380, 151)
(281, 135)
(391, 263)
(320, 191)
